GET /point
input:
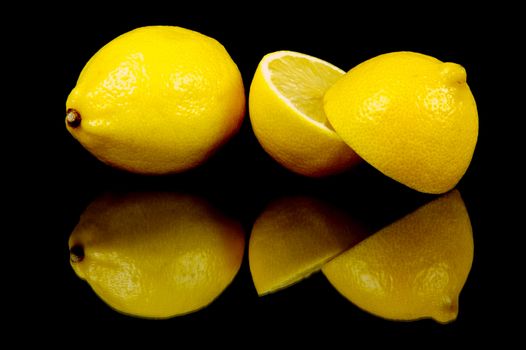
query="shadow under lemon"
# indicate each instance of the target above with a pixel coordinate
(294, 237)
(414, 268)
(156, 255)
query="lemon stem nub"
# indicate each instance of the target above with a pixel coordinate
(73, 118)
(453, 73)
(76, 253)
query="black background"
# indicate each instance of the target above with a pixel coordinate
(240, 179)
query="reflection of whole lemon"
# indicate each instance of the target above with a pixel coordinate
(410, 116)
(156, 254)
(414, 268)
(294, 237)
(156, 100)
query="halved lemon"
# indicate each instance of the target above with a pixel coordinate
(409, 115)
(287, 115)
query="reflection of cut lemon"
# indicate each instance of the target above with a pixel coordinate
(414, 268)
(156, 254)
(286, 112)
(293, 238)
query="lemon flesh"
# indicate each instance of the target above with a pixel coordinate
(414, 268)
(410, 116)
(287, 116)
(302, 82)
(157, 100)
(293, 238)
(156, 255)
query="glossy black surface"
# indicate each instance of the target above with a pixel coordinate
(241, 179)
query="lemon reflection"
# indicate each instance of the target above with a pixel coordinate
(156, 255)
(294, 237)
(414, 268)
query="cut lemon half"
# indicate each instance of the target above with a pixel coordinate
(287, 115)
(410, 116)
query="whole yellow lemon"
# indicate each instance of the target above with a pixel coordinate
(158, 99)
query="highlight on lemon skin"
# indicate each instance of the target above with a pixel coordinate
(156, 255)
(410, 116)
(287, 116)
(414, 268)
(294, 237)
(157, 100)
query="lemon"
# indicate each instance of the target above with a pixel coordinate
(410, 116)
(293, 238)
(156, 255)
(157, 100)
(414, 268)
(286, 112)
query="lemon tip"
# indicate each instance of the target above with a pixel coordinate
(453, 73)
(447, 312)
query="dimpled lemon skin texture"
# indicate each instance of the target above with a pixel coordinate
(158, 99)
(410, 116)
(156, 255)
(414, 268)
